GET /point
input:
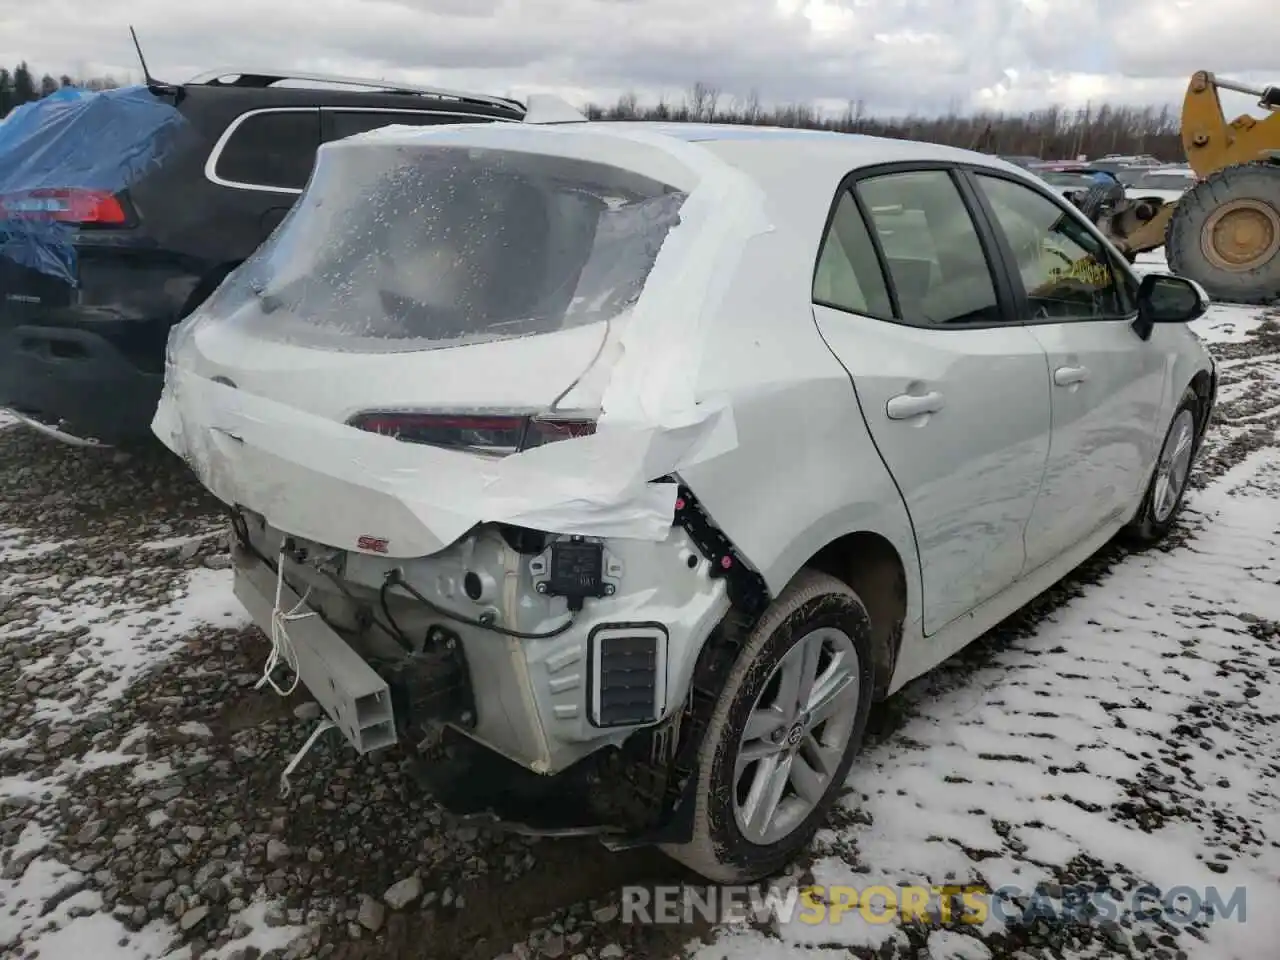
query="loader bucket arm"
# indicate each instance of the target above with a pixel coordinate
(1212, 142)
(1133, 225)
(1135, 230)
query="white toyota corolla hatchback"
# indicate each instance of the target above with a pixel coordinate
(637, 461)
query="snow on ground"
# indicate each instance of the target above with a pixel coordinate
(1127, 740)
(1224, 323)
(140, 813)
(82, 619)
(117, 642)
(1035, 762)
(1117, 735)
(113, 643)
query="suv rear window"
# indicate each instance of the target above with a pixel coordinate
(348, 123)
(1076, 181)
(275, 149)
(403, 248)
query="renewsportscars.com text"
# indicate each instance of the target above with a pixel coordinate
(929, 904)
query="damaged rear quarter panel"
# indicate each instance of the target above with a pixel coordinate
(805, 471)
(278, 444)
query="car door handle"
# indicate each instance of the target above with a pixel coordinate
(908, 405)
(1066, 376)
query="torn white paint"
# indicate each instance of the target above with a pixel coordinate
(301, 466)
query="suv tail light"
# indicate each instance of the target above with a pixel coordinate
(494, 435)
(81, 207)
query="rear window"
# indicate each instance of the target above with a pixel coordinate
(1073, 180)
(403, 248)
(274, 149)
(348, 123)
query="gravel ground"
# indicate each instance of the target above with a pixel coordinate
(139, 805)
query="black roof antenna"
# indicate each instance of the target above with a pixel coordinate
(154, 85)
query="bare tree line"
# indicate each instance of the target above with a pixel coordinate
(21, 85)
(1055, 132)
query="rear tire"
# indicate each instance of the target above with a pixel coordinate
(1243, 202)
(736, 838)
(1098, 198)
(1167, 487)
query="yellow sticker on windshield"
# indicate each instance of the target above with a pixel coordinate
(1086, 270)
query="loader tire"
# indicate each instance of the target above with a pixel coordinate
(1225, 234)
(1098, 198)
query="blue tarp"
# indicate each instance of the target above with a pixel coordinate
(77, 140)
(24, 117)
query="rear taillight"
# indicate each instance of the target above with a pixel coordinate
(81, 207)
(495, 435)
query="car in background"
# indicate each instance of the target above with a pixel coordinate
(1070, 166)
(1115, 163)
(1021, 161)
(1072, 178)
(187, 181)
(1167, 183)
(488, 486)
(1127, 169)
(1134, 160)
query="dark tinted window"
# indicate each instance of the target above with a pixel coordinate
(935, 259)
(1066, 270)
(848, 275)
(347, 123)
(272, 149)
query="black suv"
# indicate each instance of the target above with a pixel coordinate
(82, 354)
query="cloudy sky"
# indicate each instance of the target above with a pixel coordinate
(895, 55)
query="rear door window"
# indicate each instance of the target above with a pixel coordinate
(275, 149)
(931, 247)
(848, 275)
(348, 123)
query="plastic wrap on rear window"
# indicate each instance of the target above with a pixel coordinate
(67, 158)
(397, 247)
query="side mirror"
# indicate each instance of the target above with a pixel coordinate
(1164, 298)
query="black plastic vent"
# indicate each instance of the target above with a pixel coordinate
(628, 680)
(747, 588)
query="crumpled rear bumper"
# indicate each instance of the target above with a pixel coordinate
(544, 702)
(351, 692)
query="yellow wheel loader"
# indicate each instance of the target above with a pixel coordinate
(1224, 232)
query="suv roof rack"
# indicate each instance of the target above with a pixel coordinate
(241, 77)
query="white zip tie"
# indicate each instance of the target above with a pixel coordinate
(285, 787)
(281, 643)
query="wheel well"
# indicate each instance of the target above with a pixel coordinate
(1203, 386)
(869, 564)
